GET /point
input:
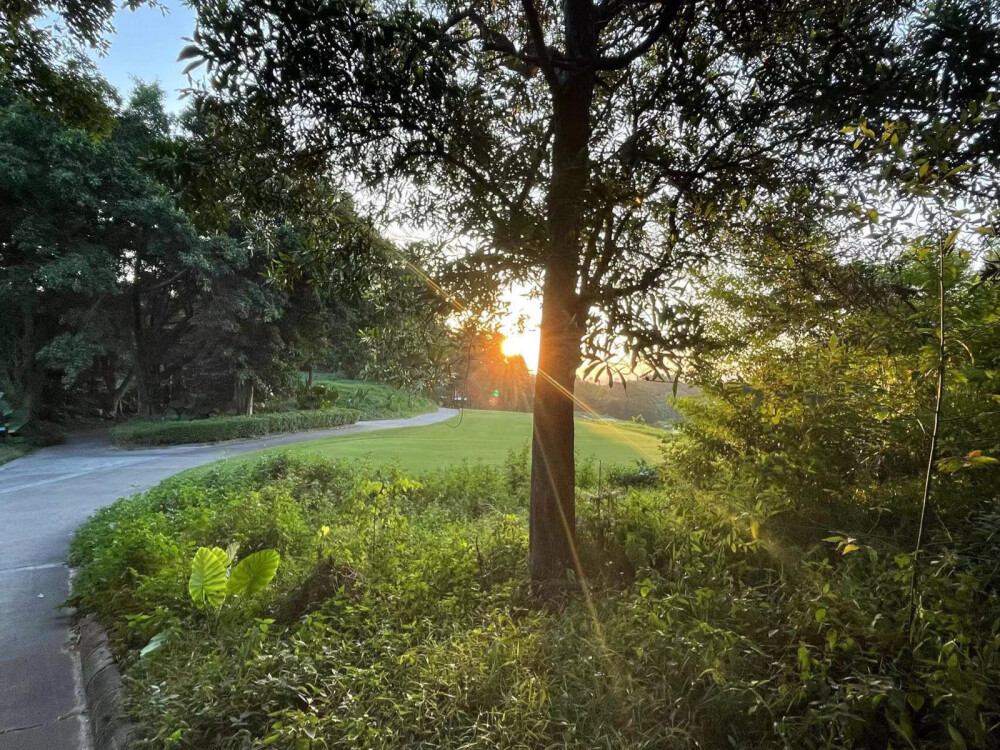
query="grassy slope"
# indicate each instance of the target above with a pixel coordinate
(376, 400)
(480, 436)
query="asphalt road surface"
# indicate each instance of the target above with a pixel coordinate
(43, 498)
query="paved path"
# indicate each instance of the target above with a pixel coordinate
(43, 498)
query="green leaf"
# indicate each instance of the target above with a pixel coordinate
(253, 573)
(191, 50)
(154, 643)
(916, 701)
(804, 660)
(957, 740)
(207, 584)
(872, 215)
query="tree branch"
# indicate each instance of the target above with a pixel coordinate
(538, 38)
(668, 12)
(493, 41)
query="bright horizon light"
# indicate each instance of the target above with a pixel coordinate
(523, 344)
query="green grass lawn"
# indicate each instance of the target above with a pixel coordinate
(480, 436)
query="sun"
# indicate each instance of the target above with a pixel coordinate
(522, 344)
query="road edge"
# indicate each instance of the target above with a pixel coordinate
(110, 728)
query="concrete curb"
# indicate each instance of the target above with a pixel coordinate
(102, 686)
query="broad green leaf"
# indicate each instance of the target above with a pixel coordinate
(253, 573)
(154, 643)
(957, 740)
(207, 584)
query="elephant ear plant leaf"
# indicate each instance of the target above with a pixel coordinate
(212, 581)
(253, 573)
(207, 584)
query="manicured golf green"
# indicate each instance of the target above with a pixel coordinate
(481, 436)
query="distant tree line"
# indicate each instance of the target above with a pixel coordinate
(144, 268)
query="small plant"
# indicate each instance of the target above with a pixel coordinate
(214, 579)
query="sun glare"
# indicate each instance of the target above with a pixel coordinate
(522, 344)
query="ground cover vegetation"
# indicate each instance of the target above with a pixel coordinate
(327, 402)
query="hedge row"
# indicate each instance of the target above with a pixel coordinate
(216, 429)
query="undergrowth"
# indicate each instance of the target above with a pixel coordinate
(401, 617)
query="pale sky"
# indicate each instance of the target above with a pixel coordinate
(145, 47)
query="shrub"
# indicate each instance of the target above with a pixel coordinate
(317, 396)
(229, 428)
(639, 474)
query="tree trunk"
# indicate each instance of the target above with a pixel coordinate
(552, 526)
(309, 381)
(119, 393)
(243, 396)
(147, 375)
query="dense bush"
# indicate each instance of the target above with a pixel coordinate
(229, 428)
(317, 396)
(401, 616)
(377, 401)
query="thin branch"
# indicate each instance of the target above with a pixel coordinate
(493, 41)
(668, 12)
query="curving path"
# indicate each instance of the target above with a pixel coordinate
(43, 498)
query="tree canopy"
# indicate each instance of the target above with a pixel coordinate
(606, 148)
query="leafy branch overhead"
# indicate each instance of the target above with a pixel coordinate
(697, 112)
